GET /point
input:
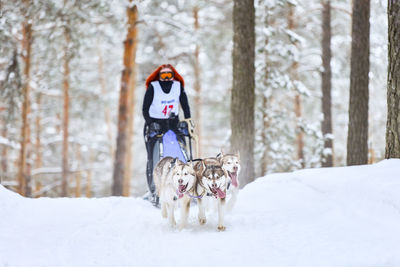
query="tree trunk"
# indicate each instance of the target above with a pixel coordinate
(131, 117)
(38, 146)
(294, 75)
(393, 86)
(357, 139)
(78, 177)
(243, 94)
(24, 174)
(107, 115)
(197, 84)
(129, 57)
(265, 119)
(299, 129)
(264, 161)
(65, 170)
(326, 127)
(89, 176)
(89, 184)
(4, 152)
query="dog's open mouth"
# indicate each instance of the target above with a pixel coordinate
(182, 188)
(217, 192)
(234, 179)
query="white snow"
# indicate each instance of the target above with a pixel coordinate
(348, 216)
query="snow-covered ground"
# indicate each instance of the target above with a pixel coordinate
(337, 217)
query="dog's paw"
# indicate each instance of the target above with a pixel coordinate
(221, 228)
(202, 221)
(172, 223)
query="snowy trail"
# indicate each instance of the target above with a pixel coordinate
(346, 216)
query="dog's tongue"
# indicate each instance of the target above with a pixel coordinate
(234, 179)
(182, 188)
(221, 194)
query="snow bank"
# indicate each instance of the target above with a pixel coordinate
(346, 216)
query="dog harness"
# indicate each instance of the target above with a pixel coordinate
(164, 104)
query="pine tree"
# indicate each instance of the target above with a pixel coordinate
(393, 83)
(24, 175)
(243, 94)
(129, 57)
(326, 74)
(357, 138)
(65, 121)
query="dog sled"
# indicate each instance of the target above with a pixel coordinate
(166, 142)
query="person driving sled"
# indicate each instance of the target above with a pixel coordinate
(165, 91)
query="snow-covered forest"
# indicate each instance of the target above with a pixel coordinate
(289, 109)
(61, 65)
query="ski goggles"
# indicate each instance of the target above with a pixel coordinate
(166, 75)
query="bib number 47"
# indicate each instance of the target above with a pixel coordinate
(167, 110)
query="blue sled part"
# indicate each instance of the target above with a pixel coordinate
(171, 146)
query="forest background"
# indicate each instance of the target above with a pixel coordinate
(66, 58)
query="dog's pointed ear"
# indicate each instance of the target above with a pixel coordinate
(220, 155)
(203, 166)
(238, 153)
(173, 162)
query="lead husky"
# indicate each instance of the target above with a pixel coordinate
(174, 180)
(211, 182)
(231, 164)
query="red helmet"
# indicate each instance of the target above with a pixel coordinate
(154, 75)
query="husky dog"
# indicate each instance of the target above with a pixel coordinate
(212, 182)
(174, 181)
(231, 164)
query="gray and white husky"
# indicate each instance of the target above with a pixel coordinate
(175, 181)
(211, 182)
(231, 164)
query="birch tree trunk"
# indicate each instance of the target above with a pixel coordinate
(65, 170)
(326, 127)
(243, 91)
(357, 139)
(24, 173)
(393, 86)
(129, 57)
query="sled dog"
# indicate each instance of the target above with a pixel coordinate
(231, 164)
(174, 181)
(211, 182)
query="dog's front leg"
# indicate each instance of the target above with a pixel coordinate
(232, 201)
(221, 213)
(171, 217)
(185, 207)
(202, 214)
(164, 212)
